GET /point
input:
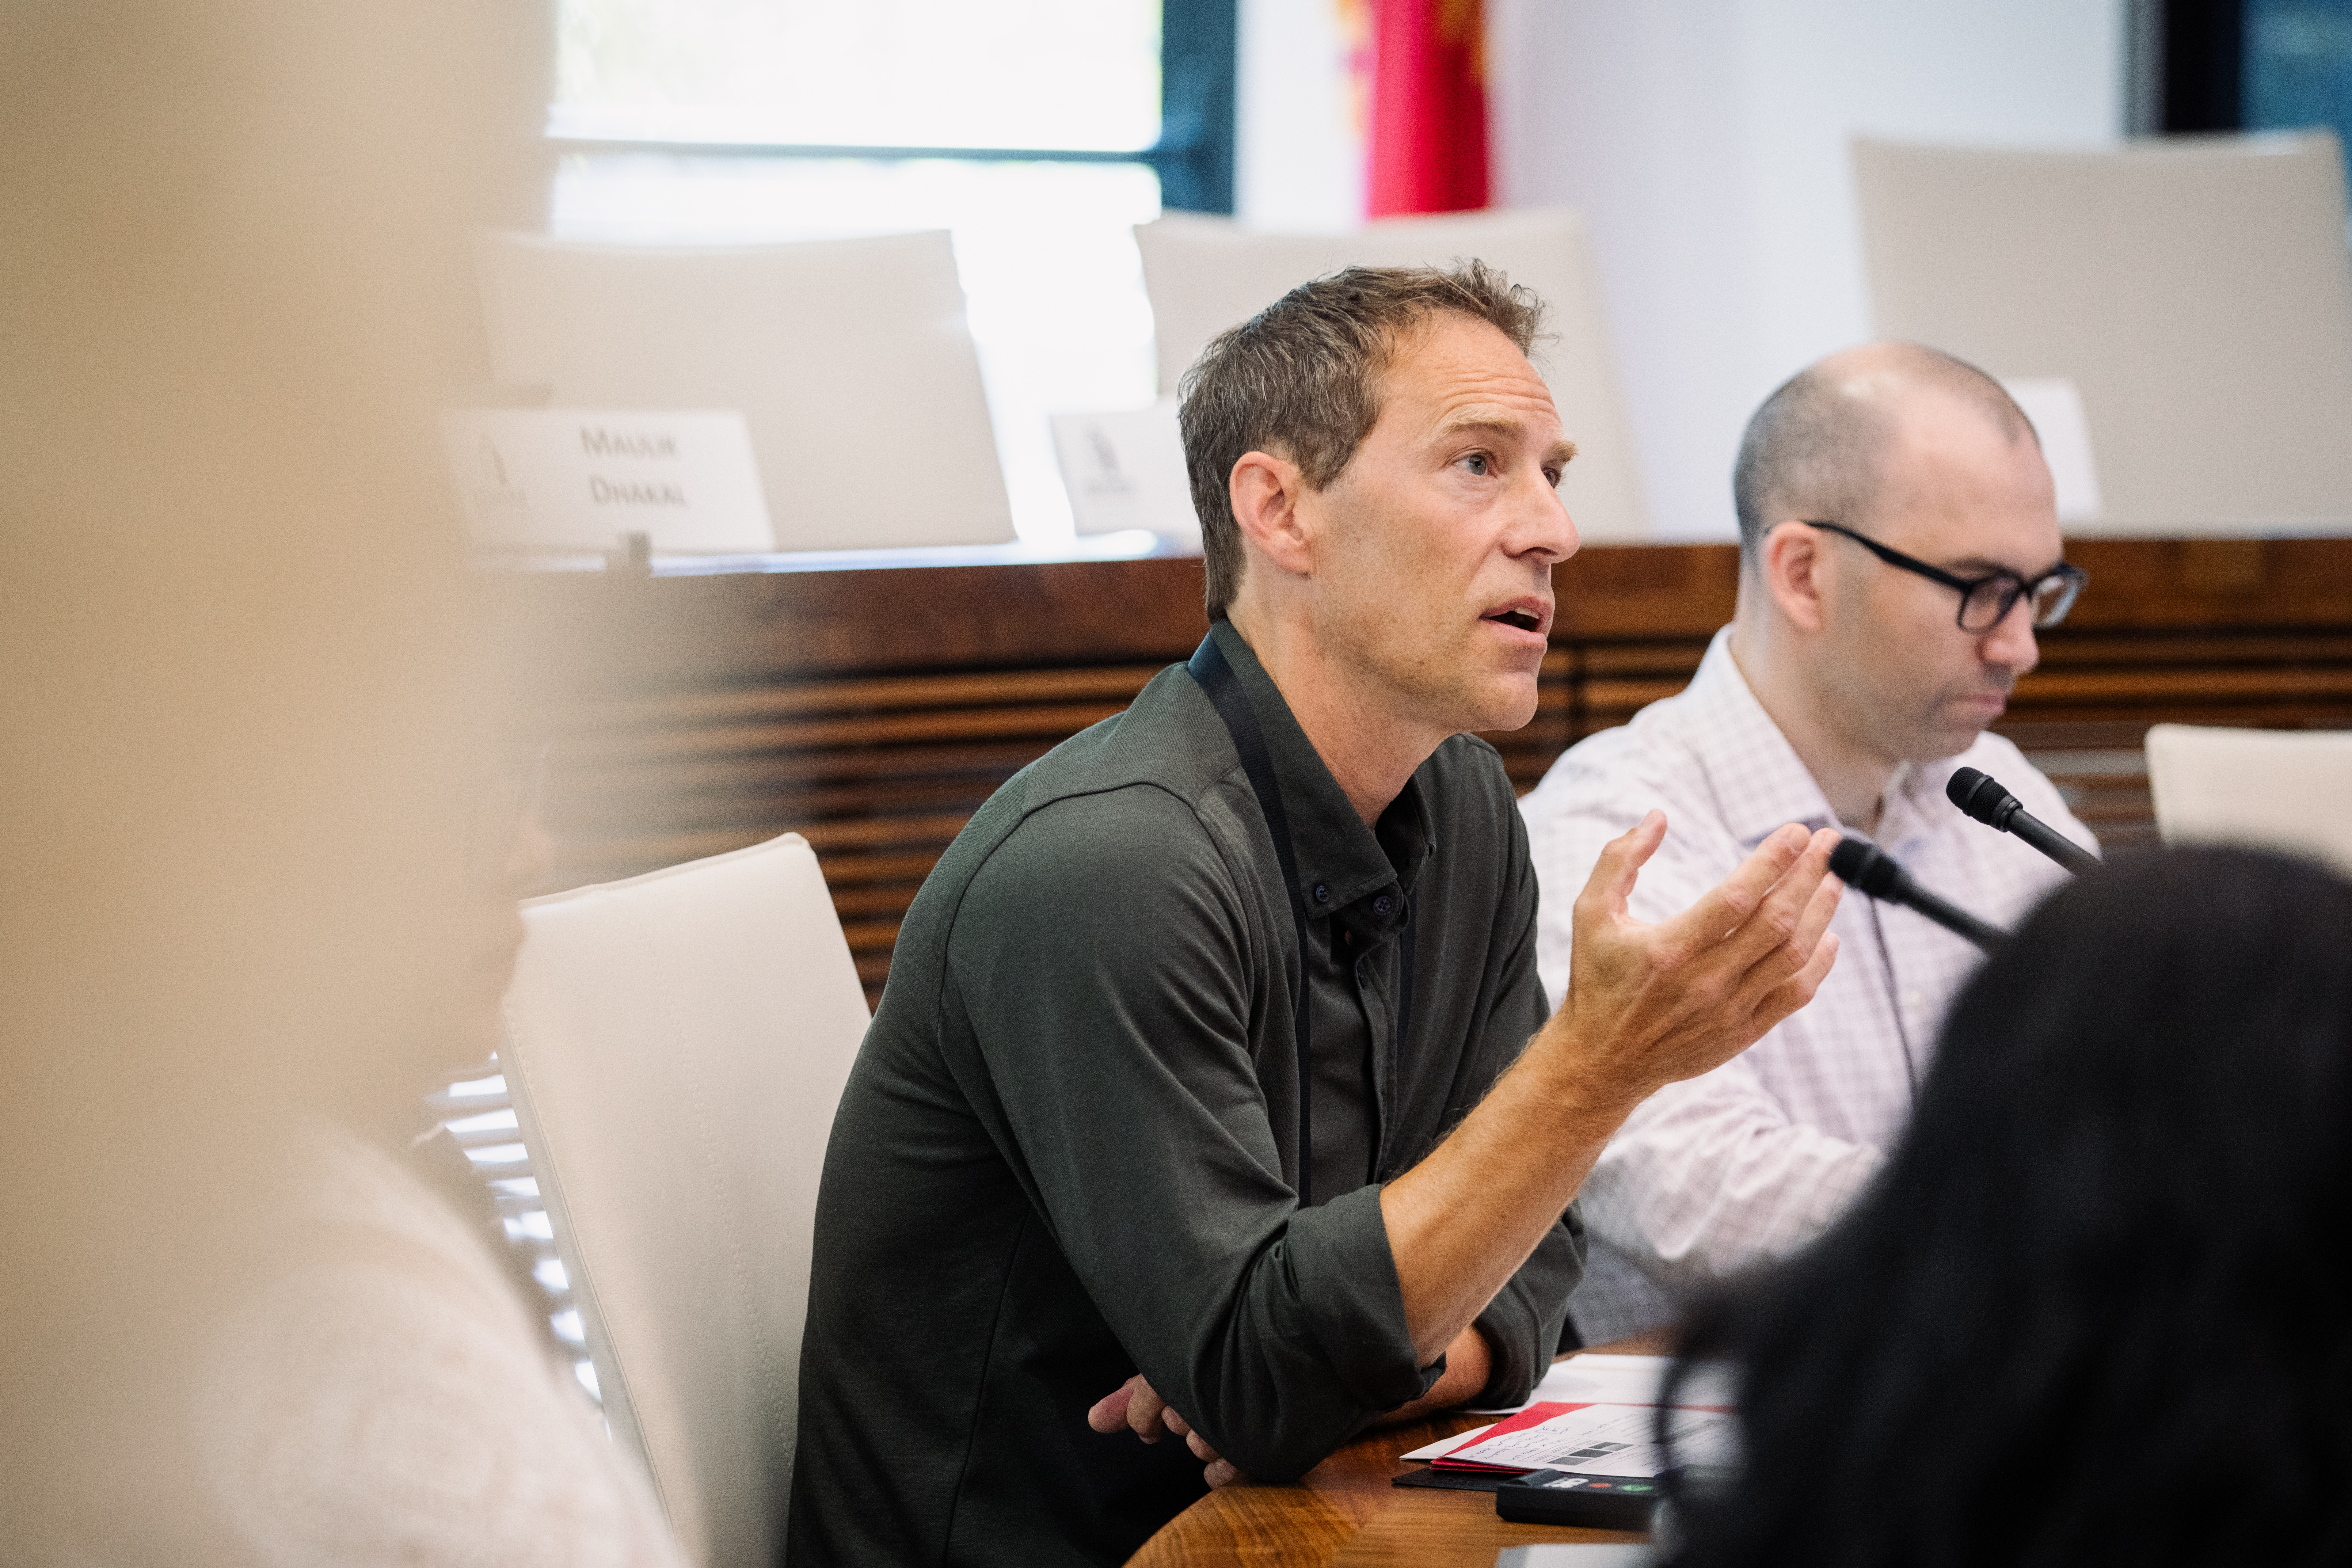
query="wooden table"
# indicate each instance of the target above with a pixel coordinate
(1345, 1513)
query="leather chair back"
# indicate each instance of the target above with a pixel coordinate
(2273, 789)
(675, 1048)
(807, 339)
(2196, 291)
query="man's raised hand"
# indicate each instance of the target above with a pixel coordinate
(1648, 1004)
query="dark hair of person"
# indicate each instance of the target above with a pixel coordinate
(2089, 1312)
(1301, 379)
(1815, 448)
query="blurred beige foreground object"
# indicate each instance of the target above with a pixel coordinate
(1205, 274)
(675, 1045)
(2271, 789)
(2197, 294)
(819, 344)
(244, 736)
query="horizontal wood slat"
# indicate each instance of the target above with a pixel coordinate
(873, 711)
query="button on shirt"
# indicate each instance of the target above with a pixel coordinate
(1720, 1172)
(1069, 1149)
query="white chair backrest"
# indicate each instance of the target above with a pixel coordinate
(675, 1048)
(2274, 789)
(1205, 274)
(2197, 294)
(820, 344)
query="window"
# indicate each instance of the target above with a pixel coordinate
(2298, 65)
(1037, 132)
(2204, 66)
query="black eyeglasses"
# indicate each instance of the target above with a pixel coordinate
(1985, 602)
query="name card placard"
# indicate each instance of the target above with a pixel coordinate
(1126, 470)
(586, 479)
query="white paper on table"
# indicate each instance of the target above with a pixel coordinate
(2056, 405)
(1447, 1444)
(1597, 1379)
(1610, 1440)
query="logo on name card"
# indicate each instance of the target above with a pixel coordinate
(492, 491)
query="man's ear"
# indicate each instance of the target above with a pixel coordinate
(1266, 491)
(1789, 558)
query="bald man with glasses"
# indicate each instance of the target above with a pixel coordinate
(1899, 547)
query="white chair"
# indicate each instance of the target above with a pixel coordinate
(850, 359)
(2276, 789)
(1205, 274)
(675, 1048)
(2197, 294)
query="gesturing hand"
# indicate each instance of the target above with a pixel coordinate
(1648, 1004)
(1133, 1405)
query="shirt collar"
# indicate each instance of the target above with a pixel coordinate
(1339, 859)
(1916, 804)
(1759, 782)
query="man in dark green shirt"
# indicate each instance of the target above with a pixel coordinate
(1186, 1110)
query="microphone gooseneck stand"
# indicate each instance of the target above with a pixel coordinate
(1869, 870)
(1980, 796)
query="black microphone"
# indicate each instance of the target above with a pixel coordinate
(1980, 796)
(1869, 869)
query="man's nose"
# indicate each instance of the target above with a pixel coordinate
(2011, 643)
(1543, 526)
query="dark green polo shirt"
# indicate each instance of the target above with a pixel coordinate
(1067, 1152)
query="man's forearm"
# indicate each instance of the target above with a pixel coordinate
(1515, 1163)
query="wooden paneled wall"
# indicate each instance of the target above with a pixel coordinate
(873, 710)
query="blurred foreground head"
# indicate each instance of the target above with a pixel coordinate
(2090, 1312)
(238, 755)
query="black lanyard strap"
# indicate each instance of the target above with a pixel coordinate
(1223, 689)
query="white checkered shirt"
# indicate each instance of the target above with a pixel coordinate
(1721, 1172)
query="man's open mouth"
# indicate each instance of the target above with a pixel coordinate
(1519, 619)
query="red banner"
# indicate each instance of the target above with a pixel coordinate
(1423, 63)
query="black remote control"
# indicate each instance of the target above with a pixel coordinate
(1570, 1496)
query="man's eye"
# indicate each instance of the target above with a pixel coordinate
(1551, 476)
(1479, 463)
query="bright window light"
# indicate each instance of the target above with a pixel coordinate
(1070, 75)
